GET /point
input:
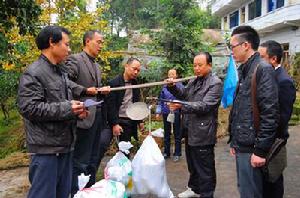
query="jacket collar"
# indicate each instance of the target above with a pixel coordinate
(251, 62)
(55, 67)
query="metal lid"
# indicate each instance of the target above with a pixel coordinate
(137, 111)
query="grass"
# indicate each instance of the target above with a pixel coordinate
(12, 142)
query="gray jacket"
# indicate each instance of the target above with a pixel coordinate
(44, 97)
(85, 74)
(201, 112)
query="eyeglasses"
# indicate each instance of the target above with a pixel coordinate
(231, 47)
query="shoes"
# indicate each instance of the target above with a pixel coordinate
(176, 158)
(188, 194)
(166, 156)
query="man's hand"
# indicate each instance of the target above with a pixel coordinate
(174, 106)
(257, 161)
(104, 90)
(84, 114)
(142, 127)
(232, 151)
(170, 82)
(157, 116)
(77, 107)
(91, 91)
(117, 130)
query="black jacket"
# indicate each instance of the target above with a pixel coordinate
(115, 98)
(287, 96)
(201, 110)
(243, 136)
(44, 97)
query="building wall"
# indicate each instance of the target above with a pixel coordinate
(283, 36)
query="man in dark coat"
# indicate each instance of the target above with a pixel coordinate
(249, 146)
(83, 70)
(200, 119)
(45, 102)
(272, 52)
(118, 101)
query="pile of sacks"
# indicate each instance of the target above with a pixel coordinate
(145, 175)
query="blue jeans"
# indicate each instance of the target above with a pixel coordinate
(50, 175)
(249, 179)
(176, 132)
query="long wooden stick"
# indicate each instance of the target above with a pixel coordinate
(151, 84)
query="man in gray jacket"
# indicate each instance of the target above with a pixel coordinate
(45, 102)
(200, 111)
(83, 70)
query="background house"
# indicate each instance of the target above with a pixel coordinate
(274, 19)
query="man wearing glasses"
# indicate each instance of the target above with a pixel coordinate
(248, 145)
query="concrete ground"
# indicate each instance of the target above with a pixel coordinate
(14, 183)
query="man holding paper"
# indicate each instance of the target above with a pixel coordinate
(200, 119)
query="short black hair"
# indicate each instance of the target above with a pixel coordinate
(247, 33)
(50, 32)
(131, 59)
(273, 49)
(207, 56)
(89, 35)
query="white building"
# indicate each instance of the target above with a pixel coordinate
(274, 19)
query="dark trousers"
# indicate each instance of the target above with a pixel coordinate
(50, 175)
(201, 166)
(249, 179)
(176, 132)
(129, 129)
(274, 190)
(90, 147)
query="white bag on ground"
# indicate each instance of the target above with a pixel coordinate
(158, 133)
(119, 167)
(83, 180)
(149, 171)
(103, 189)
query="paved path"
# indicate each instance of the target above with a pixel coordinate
(13, 183)
(226, 176)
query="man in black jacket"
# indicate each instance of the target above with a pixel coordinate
(272, 52)
(200, 119)
(118, 102)
(249, 146)
(45, 102)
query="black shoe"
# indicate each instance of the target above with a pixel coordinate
(166, 156)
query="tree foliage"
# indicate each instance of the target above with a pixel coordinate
(18, 48)
(179, 40)
(25, 13)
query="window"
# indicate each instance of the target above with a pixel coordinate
(274, 4)
(243, 16)
(254, 9)
(234, 19)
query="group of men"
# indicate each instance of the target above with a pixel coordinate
(251, 138)
(66, 139)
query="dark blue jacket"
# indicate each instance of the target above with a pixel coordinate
(287, 96)
(244, 138)
(165, 94)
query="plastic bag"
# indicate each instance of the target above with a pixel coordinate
(149, 171)
(119, 169)
(83, 180)
(158, 133)
(103, 189)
